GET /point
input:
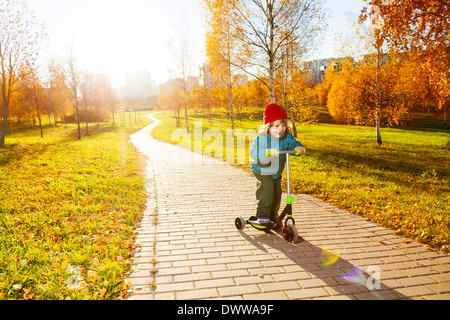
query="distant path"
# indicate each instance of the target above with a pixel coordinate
(191, 250)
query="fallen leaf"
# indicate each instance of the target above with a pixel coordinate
(77, 286)
(27, 295)
(102, 292)
(91, 274)
(17, 287)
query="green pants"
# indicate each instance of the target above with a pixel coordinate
(268, 196)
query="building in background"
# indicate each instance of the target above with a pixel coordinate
(138, 85)
(317, 69)
(95, 81)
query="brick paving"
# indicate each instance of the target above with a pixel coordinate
(189, 248)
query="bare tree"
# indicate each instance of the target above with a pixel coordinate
(86, 92)
(267, 27)
(180, 49)
(74, 77)
(111, 101)
(20, 37)
(60, 92)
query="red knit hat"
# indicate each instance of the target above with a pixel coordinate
(273, 113)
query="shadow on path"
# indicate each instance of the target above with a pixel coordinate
(327, 267)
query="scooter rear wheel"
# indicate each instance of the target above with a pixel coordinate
(239, 223)
(290, 233)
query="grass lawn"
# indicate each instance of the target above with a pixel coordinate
(402, 185)
(67, 212)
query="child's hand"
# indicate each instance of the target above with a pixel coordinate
(272, 152)
(301, 150)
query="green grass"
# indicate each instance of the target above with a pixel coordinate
(67, 212)
(402, 185)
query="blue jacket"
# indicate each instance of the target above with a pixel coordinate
(274, 166)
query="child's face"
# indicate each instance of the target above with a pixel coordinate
(278, 128)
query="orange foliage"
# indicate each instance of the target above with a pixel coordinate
(353, 95)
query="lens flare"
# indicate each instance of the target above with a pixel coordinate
(329, 257)
(356, 276)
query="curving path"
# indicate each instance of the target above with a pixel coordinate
(190, 249)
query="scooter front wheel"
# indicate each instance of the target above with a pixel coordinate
(239, 223)
(290, 233)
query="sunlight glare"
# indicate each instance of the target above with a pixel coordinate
(119, 39)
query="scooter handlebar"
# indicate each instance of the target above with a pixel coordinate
(294, 152)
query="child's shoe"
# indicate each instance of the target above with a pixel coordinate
(264, 221)
(275, 225)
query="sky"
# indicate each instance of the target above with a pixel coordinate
(116, 36)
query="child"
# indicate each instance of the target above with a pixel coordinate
(268, 167)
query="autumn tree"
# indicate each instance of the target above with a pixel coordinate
(421, 27)
(344, 97)
(368, 39)
(60, 92)
(303, 97)
(295, 86)
(222, 49)
(322, 89)
(267, 27)
(32, 94)
(171, 97)
(204, 94)
(377, 39)
(410, 86)
(285, 81)
(110, 96)
(354, 94)
(253, 95)
(20, 38)
(50, 105)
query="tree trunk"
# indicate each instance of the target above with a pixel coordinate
(36, 101)
(86, 114)
(185, 100)
(6, 97)
(231, 100)
(232, 114)
(113, 116)
(271, 55)
(4, 124)
(52, 104)
(294, 126)
(186, 115)
(445, 114)
(40, 121)
(378, 106)
(77, 115)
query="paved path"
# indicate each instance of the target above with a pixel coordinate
(191, 250)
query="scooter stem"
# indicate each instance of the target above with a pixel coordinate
(288, 176)
(289, 199)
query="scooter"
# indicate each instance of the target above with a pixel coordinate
(289, 231)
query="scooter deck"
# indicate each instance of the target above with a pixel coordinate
(253, 221)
